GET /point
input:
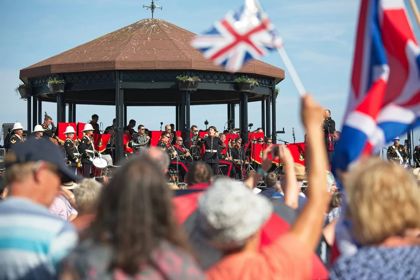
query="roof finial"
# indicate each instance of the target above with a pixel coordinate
(152, 7)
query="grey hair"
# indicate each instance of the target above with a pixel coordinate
(87, 195)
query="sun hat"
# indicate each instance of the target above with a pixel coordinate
(88, 127)
(229, 213)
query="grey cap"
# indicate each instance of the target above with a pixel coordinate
(229, 213)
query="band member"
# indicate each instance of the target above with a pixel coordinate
(194, 143)
(38, 131)
(211, 147)
(50, 130)
(170, 131)
(140, 139)
(237, 152)
(397, 152)
(222, 149)
(94, 123)
(183, 153)
(17, 135)
(329, 129)
(70, 147)
(130, 126)
(416, 156)
(165, 144)
(87, 150)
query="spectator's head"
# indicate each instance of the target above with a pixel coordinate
(35, 170)
(271, 179)
(199, 172)
(384, 201)
(160, 157)
(86, 196)
(300, 171)
(135, 214)
(335, 200)
(230, 214)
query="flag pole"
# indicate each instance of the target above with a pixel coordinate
(292, 71)
(415, 11)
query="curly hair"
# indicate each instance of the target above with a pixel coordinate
(383, 201)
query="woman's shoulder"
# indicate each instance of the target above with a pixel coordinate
(375, 262)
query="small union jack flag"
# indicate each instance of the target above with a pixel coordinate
(239, 37)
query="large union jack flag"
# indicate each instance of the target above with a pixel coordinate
(238, 37)
(384, 99)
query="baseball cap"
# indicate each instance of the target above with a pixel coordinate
(34, 150)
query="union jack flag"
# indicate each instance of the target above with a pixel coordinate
(238, 37)
(384, 100)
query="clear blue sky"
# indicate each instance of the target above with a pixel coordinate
(318, 35)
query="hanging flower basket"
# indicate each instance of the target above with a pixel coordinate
(56, 85)
(187, 83)
(243, 83)
(23, 91)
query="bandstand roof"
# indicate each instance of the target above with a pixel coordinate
(146, 58)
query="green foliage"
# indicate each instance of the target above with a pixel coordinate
(246, 80)
(187, 78)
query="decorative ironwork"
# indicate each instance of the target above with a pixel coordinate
(152, 7)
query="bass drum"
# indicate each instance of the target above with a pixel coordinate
(99, 163)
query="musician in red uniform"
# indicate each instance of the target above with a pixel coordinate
(183, 153)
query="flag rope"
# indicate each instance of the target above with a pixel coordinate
(292, 71)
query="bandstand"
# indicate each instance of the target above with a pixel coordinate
(148, 63)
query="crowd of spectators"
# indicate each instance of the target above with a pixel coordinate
(134, 225)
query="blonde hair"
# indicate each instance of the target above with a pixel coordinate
(383, 201)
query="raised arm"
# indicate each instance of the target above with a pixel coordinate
(290, 186)
(308, 226)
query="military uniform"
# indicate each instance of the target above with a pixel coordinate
(15, 139)
(397, 153)
(72, 154)
(211, 156)
(87, 151)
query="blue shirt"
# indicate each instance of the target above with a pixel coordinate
(32, 240)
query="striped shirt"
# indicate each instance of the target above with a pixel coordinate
(32, 241)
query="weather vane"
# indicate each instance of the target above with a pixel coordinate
(152, 7)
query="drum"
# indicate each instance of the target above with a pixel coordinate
(99, 162)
